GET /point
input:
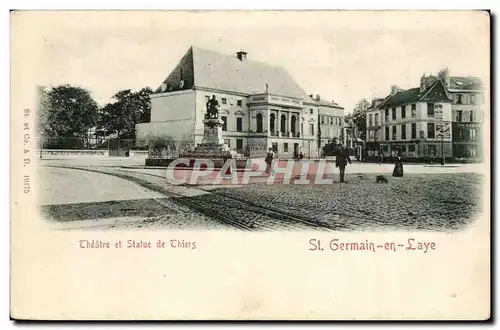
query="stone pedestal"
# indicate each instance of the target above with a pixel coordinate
(213, 131)
(212, 145)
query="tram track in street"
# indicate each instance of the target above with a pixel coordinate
(256, 216)
(267, 210)
(175, 197)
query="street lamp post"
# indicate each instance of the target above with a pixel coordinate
(442, 149)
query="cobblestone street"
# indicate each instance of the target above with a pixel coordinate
(414, 202)
(106, 195)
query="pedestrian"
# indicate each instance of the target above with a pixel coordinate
(228, 174)
(301, 155)
(341, 160)
(398, 167)
(269, 160)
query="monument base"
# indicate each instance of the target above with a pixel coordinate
(212, 145)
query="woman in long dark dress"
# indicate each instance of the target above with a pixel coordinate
(398, 167)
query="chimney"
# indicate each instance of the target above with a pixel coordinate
(241, 55)
(394, 89)
(318, 97)
(444, 75)
(422, 83)
(426, 82)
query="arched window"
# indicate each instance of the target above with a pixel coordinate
(283, 123)
(293, 123)
(271, 122)
(259, 122)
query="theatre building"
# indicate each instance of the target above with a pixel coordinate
(261, 105)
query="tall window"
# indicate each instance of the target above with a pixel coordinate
(472, 133)
(403, 132)
(459, 116)
(285, 147)
(322, 119)
(386, 115)
(238, 103)
(301, 128)
(283, 124)
(431, 130)
(239, 124)
(413, 111)
(471, 119)
(259, 122)
(413, 131)
(430, 109)
(460, 99)
(224, 100)
(331, 120)
(387, 134)
(394, 135)
(239, 144)
(376, 119)
(431, 150)
(271, 122)
(224, 123)
(311, 111)
(393, 113)
(293, 123)
(403, 111)
(370, 120)
(311, 129)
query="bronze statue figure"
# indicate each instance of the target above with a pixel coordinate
(212, 108)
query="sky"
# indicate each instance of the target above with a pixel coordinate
(343, 56)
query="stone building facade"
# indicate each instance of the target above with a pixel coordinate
(261, 105)
(440, 118)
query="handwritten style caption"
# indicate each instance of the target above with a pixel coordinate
(336, 245)
(137, 244)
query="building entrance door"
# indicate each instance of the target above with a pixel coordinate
(275, 147)
(296, 150)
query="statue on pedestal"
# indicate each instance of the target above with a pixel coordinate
(212, 108)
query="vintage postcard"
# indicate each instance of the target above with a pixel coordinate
(250, 165)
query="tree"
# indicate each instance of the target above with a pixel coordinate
(331, 148)
(130, 108)
(67, 111)
(359, 116)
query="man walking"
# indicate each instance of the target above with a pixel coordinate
(341, 160)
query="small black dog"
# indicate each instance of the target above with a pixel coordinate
(381, 179)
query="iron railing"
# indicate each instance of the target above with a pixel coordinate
(176, 149)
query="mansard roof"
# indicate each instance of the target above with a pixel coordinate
(208, 69)
(465, 83)
(434, 93)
